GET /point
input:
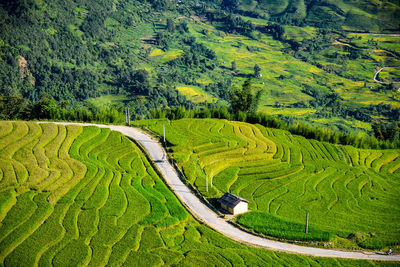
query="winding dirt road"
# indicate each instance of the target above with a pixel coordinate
(376, 34)
(377, 73)
(206, 215)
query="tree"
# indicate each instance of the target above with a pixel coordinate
(257, 70)
(183, 27)
(170, 25)
(137, 82)
(163, 40)
(11, 106)
(230, 5)
(159, 4)
(233, 65)
(244, 99)
(45, 108)
(277, 31)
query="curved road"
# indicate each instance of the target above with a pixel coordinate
(377, 73)
(206, 215)
(376, 34)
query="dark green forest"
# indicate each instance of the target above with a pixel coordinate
(55, 55)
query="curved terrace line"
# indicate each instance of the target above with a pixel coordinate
(203, 213)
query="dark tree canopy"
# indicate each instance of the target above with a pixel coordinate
(230, 5)
(233, 65)
(170, 25)
(257, 70)
(137, 82)
(244, 99)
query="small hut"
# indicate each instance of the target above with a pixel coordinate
(233, 204)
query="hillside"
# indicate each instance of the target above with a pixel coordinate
(349, 192)
(314, 63)
(364, 16)
(72, 195)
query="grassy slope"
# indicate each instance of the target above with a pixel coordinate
(267, 54)
(283, 76)
(274, 63)
(348, 191)
(370, 16)
(87, 196)
(195, 94)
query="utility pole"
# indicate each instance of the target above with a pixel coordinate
(307, 224)
(164, 133)
(126, 116)
(212, 176)
(207, 183)
(129, 118)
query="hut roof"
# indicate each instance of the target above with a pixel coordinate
(230, 200)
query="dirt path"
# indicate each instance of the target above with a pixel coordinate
(377, 73)
(344, 43)
(206, 215)
(376, 34)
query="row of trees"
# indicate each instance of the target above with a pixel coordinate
(387, 131)
(299, 128)
(16, 107)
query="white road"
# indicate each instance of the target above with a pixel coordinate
(206, 215)
(376, 34)
(376, 75)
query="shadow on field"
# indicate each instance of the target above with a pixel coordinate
(214, 202)
(244, 75)
(383, 253)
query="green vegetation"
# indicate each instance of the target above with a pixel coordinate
(307, 69)
(149, 53)
(87, 196)
(312, 64)
(15, 107)
(347, 191)
(88, 50)
(165, 57)
(244, 99)
(195, 94)
(106, 100)
(386, 134)
(267, 224)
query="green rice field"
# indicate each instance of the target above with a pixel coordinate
(348, 191)
(195, 94)
(85, 196)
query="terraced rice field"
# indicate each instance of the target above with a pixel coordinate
(351, 192)
(72, 195)
(164, 57)
(195, 94)
(284, 77)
